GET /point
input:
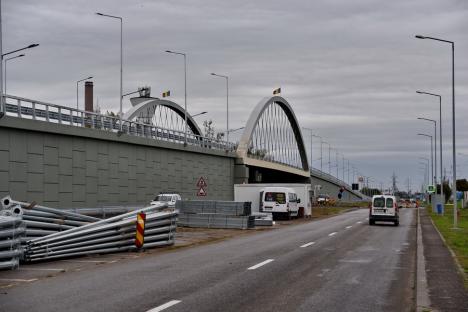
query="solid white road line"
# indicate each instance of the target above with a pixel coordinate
(307, 245)
(39, 269)
(349, 226)
(260, 264)
(86, 261)
(18, 280)
(331, 234)
(164, 306)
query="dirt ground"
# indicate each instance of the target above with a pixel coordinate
(185, 237)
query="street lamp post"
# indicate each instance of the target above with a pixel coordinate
(454, 161)
(202, 113)
(90, 77)
(435, 145)
(121, 62)
(432, 156)
(440, 139)
(2, 106)
(311, 137)
(227, 103)
(185, 90)
(6, 60)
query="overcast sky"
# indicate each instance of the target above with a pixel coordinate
(349, 69)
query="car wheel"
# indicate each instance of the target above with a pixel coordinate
(397, 222)
(371, 222)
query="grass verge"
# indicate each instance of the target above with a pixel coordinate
(456, 239)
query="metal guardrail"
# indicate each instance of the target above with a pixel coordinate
(37, 110)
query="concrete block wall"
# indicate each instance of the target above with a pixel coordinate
(64, 166)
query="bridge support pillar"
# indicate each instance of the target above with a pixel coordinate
(241, 172)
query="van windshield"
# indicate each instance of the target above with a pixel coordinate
(163, 198)
(389, 202)
(280, 198)
(379, 202)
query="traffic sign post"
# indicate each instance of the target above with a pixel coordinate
(430, 189)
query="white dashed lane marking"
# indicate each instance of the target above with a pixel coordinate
(307, 245)
(331, 234)
(260, 264)
(349, 226)
(165, 306)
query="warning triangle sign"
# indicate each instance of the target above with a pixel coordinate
(201, 183)
(201, 192)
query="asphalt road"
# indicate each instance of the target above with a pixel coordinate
(336, 264)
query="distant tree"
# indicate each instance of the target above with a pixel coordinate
(447, 191)
(370, 191)
(462, 185)
(209, 129)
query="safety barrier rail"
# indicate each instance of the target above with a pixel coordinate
(37, 110)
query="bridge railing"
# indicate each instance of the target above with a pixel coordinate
(37, 110)
(333, 179)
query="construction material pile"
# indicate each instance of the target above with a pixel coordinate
(215, 214)
(30, 232)
(42, 221)
(11, 230)
(115, 234)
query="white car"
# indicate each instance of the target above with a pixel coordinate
(384, 208)
(170, 199)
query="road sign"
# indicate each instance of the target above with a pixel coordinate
(140, 230)
(201, 183)
(430, 189)
(201, 192)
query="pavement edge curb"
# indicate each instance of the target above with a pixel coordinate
(422, 293)
(454, 256)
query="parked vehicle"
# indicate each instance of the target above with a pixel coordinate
(279, 201)
(384, 208)
(251, 193)
(323, 199)
(170, 199)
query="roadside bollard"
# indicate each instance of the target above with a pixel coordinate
(140, 230)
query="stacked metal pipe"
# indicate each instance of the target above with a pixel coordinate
(215, 214)
(11, 230)
(41, 221)
(106, 236)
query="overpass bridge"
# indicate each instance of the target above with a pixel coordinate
(65, 157)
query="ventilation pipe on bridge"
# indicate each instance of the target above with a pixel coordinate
(88, 96)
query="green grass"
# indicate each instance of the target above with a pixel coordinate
(320, 211)
(456, 239)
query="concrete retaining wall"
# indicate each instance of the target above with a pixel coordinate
(65, 166)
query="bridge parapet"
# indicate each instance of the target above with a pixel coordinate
(37, 110)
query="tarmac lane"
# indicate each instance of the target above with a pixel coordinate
(336, 264)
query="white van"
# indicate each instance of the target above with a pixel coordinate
(279, 201)
(384, 208)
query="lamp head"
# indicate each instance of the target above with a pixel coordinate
(97, 13)
(420, 37)
(33, 45)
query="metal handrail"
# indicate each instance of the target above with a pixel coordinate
(23, 108)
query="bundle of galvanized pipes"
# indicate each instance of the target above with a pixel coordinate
(11, 230)
(215, 214)
(106, 236)
(42, 221)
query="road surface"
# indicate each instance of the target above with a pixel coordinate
(336, 264)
